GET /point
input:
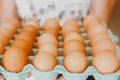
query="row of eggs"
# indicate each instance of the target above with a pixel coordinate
(75, 59)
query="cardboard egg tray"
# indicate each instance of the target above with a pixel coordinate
(59, 69)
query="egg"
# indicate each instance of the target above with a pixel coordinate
(106, 62)
(29, 41)
(12, 25)
(93, 23)
(96, 29)
(97, 38)
(33, 23)
(44, 62)
(6, 32)
(76, 62)
(4, 40)
(1, 48)
(51, 26)
(47, 38)
(22, 44)
(53, 32)
(31, 29)
(105, 44)
(89, 19)
(28, 33)
(72, 21)
(70, 28)
(72, 46)
(73, 36)
(14, 60)
(49, 48)
(26, 36)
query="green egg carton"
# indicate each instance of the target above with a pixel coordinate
(59, 69)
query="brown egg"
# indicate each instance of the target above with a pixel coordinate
(44, 62)
(6, 32)
(53, 32)
(51, 26)
(73, 36)
(26, 35)
(1, 48)
(31, 29)
(70, 28)
(76, 62)
(33, 23)
(97, 38)
(105, 44)
(14, 60)
(11, 28)
(49, 48)
(90, 19)
(72, 22)
(12, 25)
(72, 46)
(96, 29)
(22, 44)
(47, 38)
(106, 62)
(30, 33)
(4, 40)
(29, 41)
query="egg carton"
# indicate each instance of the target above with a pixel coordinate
(89, 74)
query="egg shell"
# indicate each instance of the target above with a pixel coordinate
(31, 33)
(28, 33)
(47, 38)
(97, 38)
(72, 21)
(30, 41)
(105, 44)
(33, 23)
(1, 48)
(49, 48)
(70, 28)
(6, 32)
(3, 39)
(26, 36)
(89, 19)
(14, 60)
(53, 32)
(12, 25)
(51, 23)
(31, 29)
(96, 29)
(72, 46)
(106, 62)
(73, 36)
(22, 44)
(51, 26)
(76, 62)
(44, 62)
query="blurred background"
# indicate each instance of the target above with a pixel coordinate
(115, 20)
